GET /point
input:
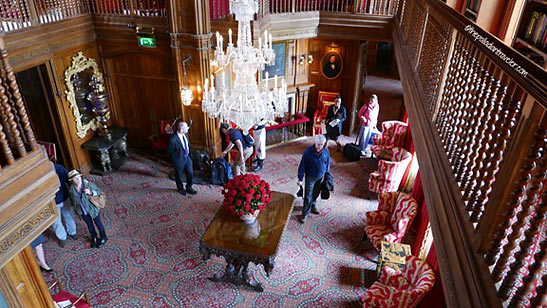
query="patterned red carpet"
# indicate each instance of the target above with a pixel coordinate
(152, 257)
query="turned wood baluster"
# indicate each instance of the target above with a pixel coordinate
(530, 233)
(494, 155)
(12, 125)
(461, 117)
(491, 117)
(532, 191)
(446, 100)
(17, 95)
(470, 181)
(541, 294)
(5, 124)
(470, 100)
(516, 196)
(469, 146)
(456, 112)
(540, 258)
(5, 148)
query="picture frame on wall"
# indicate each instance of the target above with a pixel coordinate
(279, 67)
(332, 65)
(221, 73)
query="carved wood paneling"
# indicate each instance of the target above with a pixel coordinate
(24, 283)
(487, 120)
(27, 187)
(146, 91)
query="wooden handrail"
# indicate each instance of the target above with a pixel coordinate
(478, 114)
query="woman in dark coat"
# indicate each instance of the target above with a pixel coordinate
(335, 117)
(79, 191)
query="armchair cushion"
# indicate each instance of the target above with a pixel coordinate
(390, 173)
(377, 218)
(396, 210)
(393, 135)
(401, 290)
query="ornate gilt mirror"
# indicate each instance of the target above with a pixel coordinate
(77, 78)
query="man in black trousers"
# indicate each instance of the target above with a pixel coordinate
(179, 151)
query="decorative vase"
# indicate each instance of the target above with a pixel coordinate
(249, 219)
(99, 104)
(253, 231)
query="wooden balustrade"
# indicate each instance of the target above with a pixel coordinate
(16, 135)
(147, 8)
(483, 109)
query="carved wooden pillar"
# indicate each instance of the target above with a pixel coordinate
(190, 30)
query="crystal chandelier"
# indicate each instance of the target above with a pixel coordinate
(244, 103)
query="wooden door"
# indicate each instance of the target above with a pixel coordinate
(145, 91)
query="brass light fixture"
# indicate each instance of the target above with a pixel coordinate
(186, 95)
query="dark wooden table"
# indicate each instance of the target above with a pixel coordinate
(108, 154)
(241, 244)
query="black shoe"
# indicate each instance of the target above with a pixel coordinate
(46, 270)
(182, 192)
(62, 243)
(94, 242)
(302, 218)
(191, 191)
(73, 236)
(102, 242)
(257, 168)
(314, 211)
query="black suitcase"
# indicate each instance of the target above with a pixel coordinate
(352, 152)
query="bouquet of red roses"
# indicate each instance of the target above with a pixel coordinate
(245, 194)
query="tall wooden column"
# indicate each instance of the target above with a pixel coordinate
(190, 30)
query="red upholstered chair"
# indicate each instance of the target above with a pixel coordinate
(390, 173)
(161, 139)
(401, 290)
(64, 297)
(393, 135)
(325, 99)
(50, 149)
(391, 220)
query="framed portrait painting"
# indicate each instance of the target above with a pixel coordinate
(331, 65)
(280, 50)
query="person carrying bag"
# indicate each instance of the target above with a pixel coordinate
(86, 200)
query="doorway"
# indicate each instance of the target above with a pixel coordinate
(36, 91)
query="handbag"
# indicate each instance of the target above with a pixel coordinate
(98, 201)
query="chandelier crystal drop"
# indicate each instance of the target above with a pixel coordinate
(244, 103)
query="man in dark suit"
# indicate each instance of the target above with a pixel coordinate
(179, 151)
(333, 122)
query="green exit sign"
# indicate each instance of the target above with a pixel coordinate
(148, 42)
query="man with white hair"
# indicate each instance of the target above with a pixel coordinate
(315, 162)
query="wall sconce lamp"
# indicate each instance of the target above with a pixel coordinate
(301, 60)
(186, 95)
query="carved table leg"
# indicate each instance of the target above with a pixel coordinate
(237, 272)
(104, 158)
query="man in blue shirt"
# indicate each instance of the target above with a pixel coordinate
(244, 150)
(315, 162)
(63, 207)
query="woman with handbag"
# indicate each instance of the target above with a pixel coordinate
(81, 193)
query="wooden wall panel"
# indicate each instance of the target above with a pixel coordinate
(25, 279)
(78, 157)
(343, 84)
(146, 91)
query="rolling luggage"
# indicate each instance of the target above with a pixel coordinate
(351, 151)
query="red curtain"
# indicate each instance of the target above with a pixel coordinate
(435, 297)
